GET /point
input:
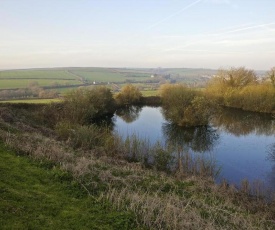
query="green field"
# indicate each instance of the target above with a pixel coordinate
(100, 76)
(66, 77)
(33, 101)
(147, 93)
(36, 195)
(109, 75)
(24, 83)
(37, 74)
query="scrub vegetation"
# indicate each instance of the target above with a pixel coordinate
(236, 87)
(185, 106)
(239, 88)
(129, 178)
(81, 106)
(129, 95)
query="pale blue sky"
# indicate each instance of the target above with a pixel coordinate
(141, 33)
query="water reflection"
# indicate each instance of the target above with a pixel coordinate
(236, 139)
(271, 157)
(129, 114)
(105, 121)
(271, 152)
(199, 139)
(241, 123)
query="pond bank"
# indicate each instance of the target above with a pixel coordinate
(38, 195)
(158, 200)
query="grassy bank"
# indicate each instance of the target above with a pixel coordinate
(147, 197)
(37, 195)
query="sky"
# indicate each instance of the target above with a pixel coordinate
(144, 33)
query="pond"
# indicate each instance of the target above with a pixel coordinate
(242, 143)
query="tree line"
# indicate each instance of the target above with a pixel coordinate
(240, 88)
(33, 90)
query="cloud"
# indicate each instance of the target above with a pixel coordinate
(247, 28)
(157, 23)
(223, 37)
(174, 14)
(222, 2)
(227, 2)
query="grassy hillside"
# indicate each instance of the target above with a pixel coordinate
(24, 83)
(35, 195)
(36, 74)
(100, 76)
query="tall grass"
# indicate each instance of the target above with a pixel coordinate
(158, 200)
(116, 170)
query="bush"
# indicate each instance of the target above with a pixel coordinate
(162, 158)
(83, 105)
(129, 95)
(83, 137)
(237, 77)
(259, 98)
(238, 88)
(185, 106)
(271, 75)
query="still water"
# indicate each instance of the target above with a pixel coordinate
(242, 143)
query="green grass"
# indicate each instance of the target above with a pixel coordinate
(38, 74)
(36, 195)
(148, 93)
(33, 101)
(100, 76)
(108, 75)
(45, 77)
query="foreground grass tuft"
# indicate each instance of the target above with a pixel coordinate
(35, 195)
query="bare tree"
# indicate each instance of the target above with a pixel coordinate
(271, 75)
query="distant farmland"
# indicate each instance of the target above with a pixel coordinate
(36, 74)
(64, 79)
(24, 83)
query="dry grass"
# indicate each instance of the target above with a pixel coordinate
(159, 200)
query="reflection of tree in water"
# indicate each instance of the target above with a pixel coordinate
(240, 122)
(129, 113)
(199, 139)
(105, 121)
(271, 157)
